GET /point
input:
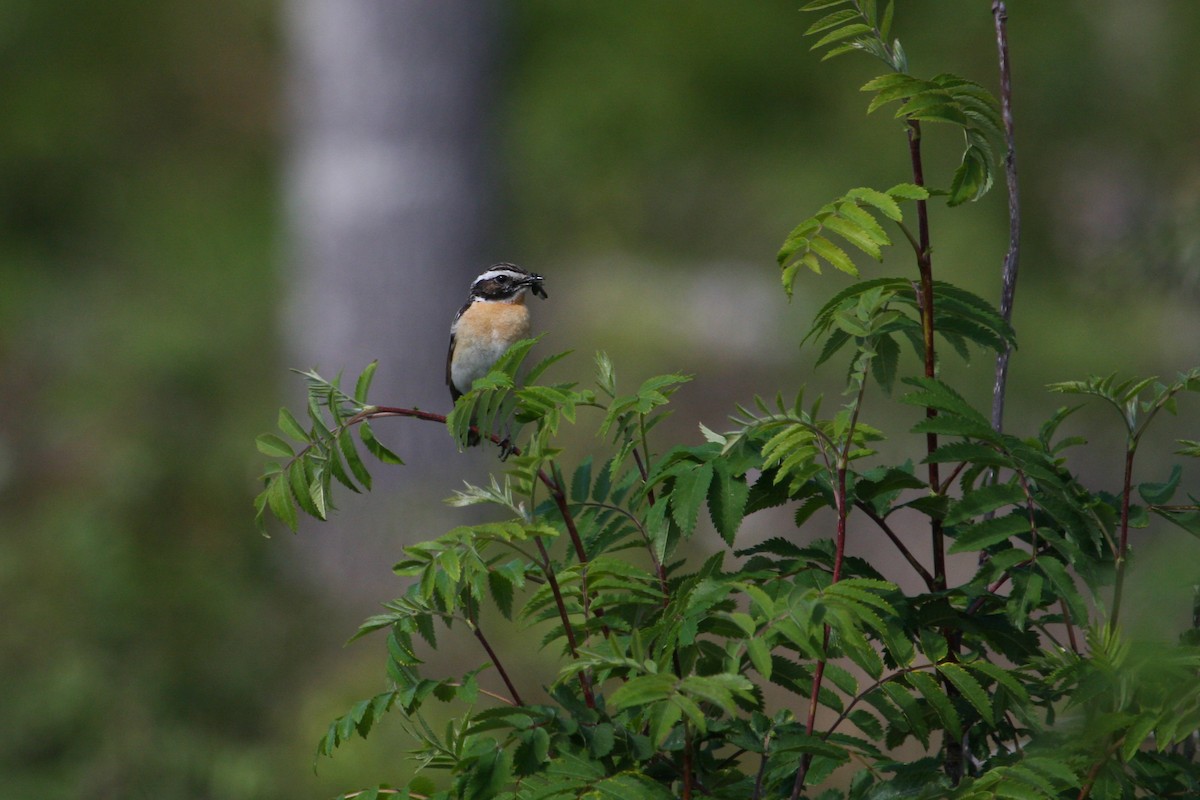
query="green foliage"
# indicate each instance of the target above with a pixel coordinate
(945, 99)
(765, 674)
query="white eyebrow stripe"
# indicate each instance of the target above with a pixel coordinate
(495, 273)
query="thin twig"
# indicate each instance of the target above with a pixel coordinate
(585, 681)
(1123, 546)
(512, 689)
(1094, 772)
(839, 498)
(904, 551)
(1009, 280)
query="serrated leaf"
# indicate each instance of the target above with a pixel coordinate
(833, 254)
(279, 500)
(881, 201)
(909, 191)
(817, 5)
(291, 426)
(856, 29)
(363, 384)
(832, 20)
(760, 656)
(1137, 733)
(271, 445)
(985, 499)
(346, 445)
(642, 690)
(1161, 493)
(990, 532)
(886, 362)
(501, 589)
(727, 495)
(909, 708)
(855, 234)
(581, 481)
(938, 700)
(969, 688)
(375, 447)
(688, 493)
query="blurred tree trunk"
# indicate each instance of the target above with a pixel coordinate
(388, 212)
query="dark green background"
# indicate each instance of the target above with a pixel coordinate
(653, 155)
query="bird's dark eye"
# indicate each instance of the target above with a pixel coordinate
(502, 279)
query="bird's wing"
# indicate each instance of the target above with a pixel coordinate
(454, 392)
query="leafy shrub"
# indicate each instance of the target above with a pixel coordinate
(764, 674)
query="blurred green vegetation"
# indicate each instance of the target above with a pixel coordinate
(152, 644)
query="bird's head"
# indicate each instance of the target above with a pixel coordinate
(505, 283)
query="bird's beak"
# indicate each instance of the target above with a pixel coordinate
(534, 282)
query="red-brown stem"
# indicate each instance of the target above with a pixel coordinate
(810, 725)
(560, 500)
(1123, 546)
(1090, 780)
(953, 750)
(1066, 614)
(548, 568)
(659, 569)
(839, 499)
(686, 793)
(547, 565)
(904, 551)
(925, 300)
(512, 690)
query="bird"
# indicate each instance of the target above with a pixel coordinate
(492, 320)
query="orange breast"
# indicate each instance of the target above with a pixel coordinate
(499, 322)
(481, 335)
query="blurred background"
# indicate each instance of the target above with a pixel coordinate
(196, 197)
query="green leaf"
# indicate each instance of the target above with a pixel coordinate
(970, 689)
(279, 500)
(289, 425)
(1001, 677)
(857, 29)
(581, 481)
(817, 5)
(909, 708)
(936, 698)
(642, 690)
(363, 384)
(909, 191)
(990, 532)
(688, 493)
(833, 254)
(983, 500)
(625, 786)
(972, 179)
(532, 752)
(881, 201)
(760, 656)
(886, 362)
(375, 447)
(1137, 733)
(1161, 493)
(501, 589)
(856, 235)
(271, 445)
(727, 496)
(346, 445)
(832, 20)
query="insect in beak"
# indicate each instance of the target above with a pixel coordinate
(535, 285)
